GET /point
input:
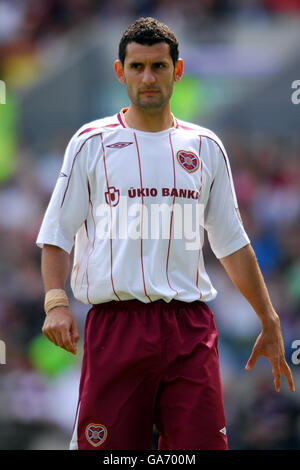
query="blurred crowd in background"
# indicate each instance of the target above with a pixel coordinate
(39, 382)
(28, 26)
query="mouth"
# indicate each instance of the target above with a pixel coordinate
(149, 92)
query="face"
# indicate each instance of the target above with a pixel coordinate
(149, 74)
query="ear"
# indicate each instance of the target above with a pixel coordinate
(119, 71)
(178, 71)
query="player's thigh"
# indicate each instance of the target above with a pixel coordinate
(118, 417)
(118, 384)
(189, 412)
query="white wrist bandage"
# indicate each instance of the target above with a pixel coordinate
(55, 298)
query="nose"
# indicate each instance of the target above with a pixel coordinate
(148, 76)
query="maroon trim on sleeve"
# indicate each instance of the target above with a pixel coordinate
(186, 128)
(226, 163)
(88, 130)
(81, 147)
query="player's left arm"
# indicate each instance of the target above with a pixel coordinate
(243, 269)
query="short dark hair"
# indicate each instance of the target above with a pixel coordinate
(148, 31)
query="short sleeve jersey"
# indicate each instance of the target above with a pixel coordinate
(134, 206)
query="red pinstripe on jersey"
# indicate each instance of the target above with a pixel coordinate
(201, 166)
(75, 268)
(92, 213)
(93, 243)
(111, 250)
(172, 214)
(142, 213)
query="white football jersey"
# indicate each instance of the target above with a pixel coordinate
(134, 205)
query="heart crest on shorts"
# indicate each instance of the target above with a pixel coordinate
(96, 434)
(188, 160)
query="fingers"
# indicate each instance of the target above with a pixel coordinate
(50, 335)
(288, 374)
(276, 370)
(61, 337)
(74, 333)
(66, 340)
(62, 330)
(279, 367)
(252, 359)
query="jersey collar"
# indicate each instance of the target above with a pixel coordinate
(122, 120)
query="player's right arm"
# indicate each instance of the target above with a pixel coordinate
(66, 212)
(59, 326)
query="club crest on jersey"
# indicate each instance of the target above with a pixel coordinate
(112, 196)
(119, 145)
(95, 434)
(188, 160)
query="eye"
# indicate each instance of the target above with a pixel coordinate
(159, 65)
(135, 65)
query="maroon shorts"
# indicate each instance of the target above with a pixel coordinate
(148, 364)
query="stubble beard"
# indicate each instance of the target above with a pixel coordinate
(160, 102)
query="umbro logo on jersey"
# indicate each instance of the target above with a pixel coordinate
(61, 174)
(188, 160)
(119, 145)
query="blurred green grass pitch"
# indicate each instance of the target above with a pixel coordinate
(48, 358)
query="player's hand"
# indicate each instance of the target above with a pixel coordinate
(61, 328)
(270, 345)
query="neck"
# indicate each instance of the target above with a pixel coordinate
(154, 120)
